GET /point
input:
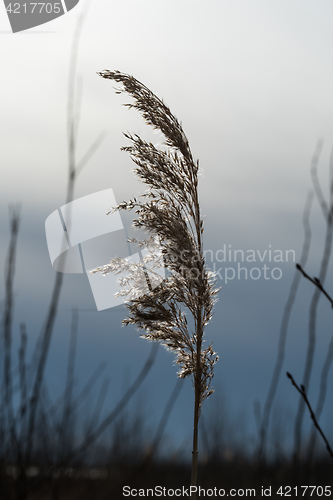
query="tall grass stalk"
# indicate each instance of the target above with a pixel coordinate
(169, 211)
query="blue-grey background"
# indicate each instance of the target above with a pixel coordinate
(252, 84)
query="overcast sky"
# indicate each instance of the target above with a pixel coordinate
(252, 84)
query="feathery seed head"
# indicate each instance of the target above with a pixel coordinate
(169, 211)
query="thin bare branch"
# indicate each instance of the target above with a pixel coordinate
(302, 392)
(107, 421)
(316, 282)
(90, 153)
(315, 181)
(166, 415)
(322, 396)
(7, 327)
(284, 330)
(44, 341)
(65, 430)
(328, 212)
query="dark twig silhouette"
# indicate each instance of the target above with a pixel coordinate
(106, 422)
(74, 168)
(322, 396)
(47, 331)
(23, 379)
(265, 421)
(165, 416)
(327, 212)
(315, 181)
(302, 392)
(66, 423)
(19, 445)
(316, 282)
(7, 329)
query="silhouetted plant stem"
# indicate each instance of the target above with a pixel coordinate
(194, 474)
(95, 416)
(73, 171)
(7, 329)
(264, 428)
(302, 392)
(329, 355)
(197, 391)
(170, 213)
(41, 365)
(321, 397)
(23, 380)
(315, 181)
(165, 416)
(106, 422)
(327, 211)
(64, 441)
(88, 387)
(316, 282)
(312, 339)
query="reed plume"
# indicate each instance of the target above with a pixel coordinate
(169, 212)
